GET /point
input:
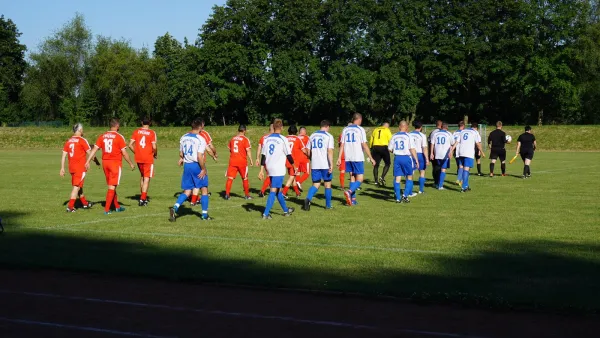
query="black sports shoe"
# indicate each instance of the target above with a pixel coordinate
(206, 218)
(141, 203)
(479, 174)
(267, 216)
(306, 205)
(227, 197)
(405, 199)
(88, 206)
(463, 190)
(172, 214)
(70, 210)
(528, 175)
(261, 194)
(289, 213)
(382, 181)
(468, 188)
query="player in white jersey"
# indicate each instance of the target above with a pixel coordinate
(403, 147)
(275, 152)
(459, 167)
(468, 142)
(354, 142)
(191, 154)
(420, 141)
(435, 171)
(320, 151)
(441, 152)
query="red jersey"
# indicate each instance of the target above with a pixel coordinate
(305, 139)
(238, 147)
(111, 144)
(206, 136)
(144, 138)
(76, 147)
(296, 146)
(261, 142)
(340, 145)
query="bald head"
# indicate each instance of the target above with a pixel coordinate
(438, 124)
(357, 119)
(403, 126)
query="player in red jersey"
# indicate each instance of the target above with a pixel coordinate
(304, 165)
(76, 149)
(212, 152)
(261, 143)
(114, 148)
(239, 149)
(298, 149)
(143, 146)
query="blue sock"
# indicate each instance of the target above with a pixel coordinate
(204, 204)
(408, 188)
(421, 184)
(460, 174)
(311, 193)
(270, 202)
(465, 179)
(353, 186)
(180, 200)
(442, 178)
(397, 190)
(281, 200)
(328, 193)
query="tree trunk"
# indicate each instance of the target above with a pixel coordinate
(540, 117)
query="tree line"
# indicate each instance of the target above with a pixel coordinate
(519, 61)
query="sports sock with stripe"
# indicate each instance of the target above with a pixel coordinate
(204, 204)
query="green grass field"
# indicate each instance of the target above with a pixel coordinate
(508, 243)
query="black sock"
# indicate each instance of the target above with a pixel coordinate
(503, 165)
(386, 168)
(479, 168)
(492, 168)
(525, 170)
(528, 170)
(376, 172)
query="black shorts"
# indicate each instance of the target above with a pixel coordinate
(498, 153)
(527, 154)
(381, 153)
(477, 155)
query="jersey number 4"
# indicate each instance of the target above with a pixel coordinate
(143, 142)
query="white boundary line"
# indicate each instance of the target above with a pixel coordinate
(78, 328)
(234, 314)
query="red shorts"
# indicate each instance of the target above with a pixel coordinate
(77, 179)
(303, 167)
(291, 168)
(112, 171)
(232, 171)
(146, 169)
(342, 166)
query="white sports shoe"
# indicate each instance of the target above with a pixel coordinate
(412, 195)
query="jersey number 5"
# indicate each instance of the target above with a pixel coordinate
(108, 143)
(235, 147)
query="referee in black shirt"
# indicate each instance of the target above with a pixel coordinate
(526, 145)
(496, 142)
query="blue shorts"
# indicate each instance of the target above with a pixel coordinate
(403, 166)
(190, 180)
(277, 181)
(467, 162)
(443, 164)
(321, 174)
(422, 162)
(356, 168)
(458, 162)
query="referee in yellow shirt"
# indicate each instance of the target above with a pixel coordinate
(380, 139)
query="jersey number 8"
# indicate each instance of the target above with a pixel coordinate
(271, 149)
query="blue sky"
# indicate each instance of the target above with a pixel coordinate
(139, 21)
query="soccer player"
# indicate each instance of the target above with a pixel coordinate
(143, 146)
(320, 150)
(298, 150)
(468, 142)
(114, 148)
(526, 145)
(192, 147)
(304, 165)
(261, 142)
(354, 142)
(435, 170)
(275, 152)
(212, 151)
(441, 152)
(380, 138)
(76, 149)
(459, 167)
(403, 147)
(240, 152)
(420, 141)
(496, 141)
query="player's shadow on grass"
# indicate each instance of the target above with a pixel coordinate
(333, 198)
(10, 220)
(377, 194)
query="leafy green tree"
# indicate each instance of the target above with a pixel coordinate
(12, 68)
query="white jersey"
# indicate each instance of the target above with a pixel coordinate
(456, 137)
(319, 145)
(466, 144)
(432, 135)
(191, 145)
(443, 141)
(401, 144)
(276, 150)
(420, 141)
(352, 140)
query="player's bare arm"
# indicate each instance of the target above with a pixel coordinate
(249, 155)
(330, 158)
(90, 156)
(341, 152)
(202, 165)
(480, 149)
(211, 153)
(155, 149)
(425, 153)
(180, 162)
(126, 157)
(258, 152)
(367, 151)
(413, 152)
(62, 164)
(261, 174)
(131, 143)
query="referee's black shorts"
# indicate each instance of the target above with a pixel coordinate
(527, 154)
(496, 153)
(381, 153)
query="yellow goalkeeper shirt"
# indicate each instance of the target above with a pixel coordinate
(381, 136)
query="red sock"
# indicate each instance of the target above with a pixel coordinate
(194, 199)
(72, 203)
(285, 190)
(83, 200)
(303, 178)
(342, 180)
(116, 201)
(265, 185)
(296, 190)
(228, 186)
(246, 184)
(110, 195)
(144, 196)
